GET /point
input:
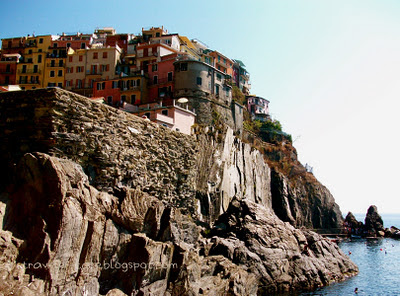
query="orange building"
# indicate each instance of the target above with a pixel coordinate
(222, 63)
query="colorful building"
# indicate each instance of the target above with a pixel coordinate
(8, 68)
(85, 66)
(78, 41)
(13, 45)
(258, 107)
(222, 63)
(198, 79)
(175, 116)
(241, 77)
(55, 63)
(31, 69)
(161, 79)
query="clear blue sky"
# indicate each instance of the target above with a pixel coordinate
(331, 70)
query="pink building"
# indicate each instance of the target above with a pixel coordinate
(258, 107)
(176, 116)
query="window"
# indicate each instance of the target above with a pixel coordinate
(164, 112)
(198, 80)
(23, 69)
(68, 44)
(115, 84)
(219, 77)
(154, 67)
(138, 82)
(80, 58)
(30, 51)
(184, 66)
(91, 82)
(109, 100)
(147, 115)
(35, 69)
(217, 89)
(67, 83)
(95, 55)
(83, 45)
(54, 44)
(60, 84)
(155, 79)
(169, 76)
(98, 86)
(79, 83)
(40, 50)
(52, 74)
(70, 59)
(30, 60)
(123, 98)
(78, 69)
(60, 73)
(40, 40)
(39, 58)
(60, 63)
(133, 99)
(105, 55)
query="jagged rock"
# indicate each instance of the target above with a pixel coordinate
(374, 222)
(304, 203)
(352, 226)
(281, 257)
(80, 242)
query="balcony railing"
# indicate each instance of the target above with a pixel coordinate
(55, 65)
(29, 71)
(160, 81)
(23, 81)
(88, 72)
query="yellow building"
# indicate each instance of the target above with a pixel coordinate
(188, 47)
(30, 70)
(54, 73)
(133, 88)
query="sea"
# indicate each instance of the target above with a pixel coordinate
(378, 261)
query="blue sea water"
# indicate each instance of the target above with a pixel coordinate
(378, 261)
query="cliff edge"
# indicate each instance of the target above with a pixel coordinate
(97, 201)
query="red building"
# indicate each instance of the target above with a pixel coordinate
(78, 41)
(161, 79)
(121, 40)
(8, 68)
(109, 90)
(13, 45)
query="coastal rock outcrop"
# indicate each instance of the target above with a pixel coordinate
(374, 222)
(86, 242)
(304, 203)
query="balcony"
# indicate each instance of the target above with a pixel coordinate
(88, 72)
(160, 81)
(29, 71)
(56, 65)
(23, 81)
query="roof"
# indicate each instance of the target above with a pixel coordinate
(241, 64)
(187, 42)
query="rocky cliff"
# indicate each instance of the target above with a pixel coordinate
(103, 202)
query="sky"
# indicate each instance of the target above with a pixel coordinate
(330, 69)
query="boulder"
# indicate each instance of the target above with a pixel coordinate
(373, 222)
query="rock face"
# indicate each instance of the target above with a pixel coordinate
(374, 222)
(103, 202)
(303, 203)
(84, 242)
